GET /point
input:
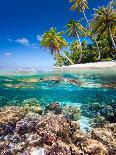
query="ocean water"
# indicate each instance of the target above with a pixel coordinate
(94, 93)
(96, 86)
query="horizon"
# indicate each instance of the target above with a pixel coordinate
(22, 24)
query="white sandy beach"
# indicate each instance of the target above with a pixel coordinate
(95, 65)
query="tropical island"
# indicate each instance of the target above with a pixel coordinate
(69, 109)
(100, 30)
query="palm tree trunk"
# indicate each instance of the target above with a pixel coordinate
(99, 52)
(110, 3)
(80, 58)
(79, 41)
(86, 18)
(67, 58)
(113, 56)
(112, 39)
(81, 55)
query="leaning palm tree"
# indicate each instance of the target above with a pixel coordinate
(81, 6)
(55, 42)
(76, 30)
(104, 22)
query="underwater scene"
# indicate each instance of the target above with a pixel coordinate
(58, 112)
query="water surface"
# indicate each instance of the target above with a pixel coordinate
(95, 85)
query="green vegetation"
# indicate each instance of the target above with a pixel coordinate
(55, 42)
(101, 30)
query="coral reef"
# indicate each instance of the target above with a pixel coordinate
(72, 81)
(90, 146)
(8, 118)
(91, 109)
(20, 86)
(112, 127)
(100, 113)
(29, 80)
(11, 113)
(72, 112)
(33, 105)
(106, 136)
(98, 121)
(56, 79)
(54, 107)
(109, 113)
(110, 85)
(26, 132)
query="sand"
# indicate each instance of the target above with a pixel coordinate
(95, 65)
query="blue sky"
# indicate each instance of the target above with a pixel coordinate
(22, 22)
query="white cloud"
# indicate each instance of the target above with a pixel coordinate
(8, 54)
(23, 41)
(10, 40)
(26, 42)
(39, 38)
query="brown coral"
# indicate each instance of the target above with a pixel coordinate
(105, 136)
(11, 114)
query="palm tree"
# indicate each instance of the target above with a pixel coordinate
(75, 46)
(81, 6)
(84, 44)
(55, 42)
(104, 22)
(112, 4)
(75, 30)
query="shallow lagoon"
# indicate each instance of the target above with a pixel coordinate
(93, 86)
(91, 95)
(97, 85)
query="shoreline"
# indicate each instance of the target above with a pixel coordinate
(95, 65)
(76, 67)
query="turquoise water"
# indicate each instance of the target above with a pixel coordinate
(96, 86)
(93, 87)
